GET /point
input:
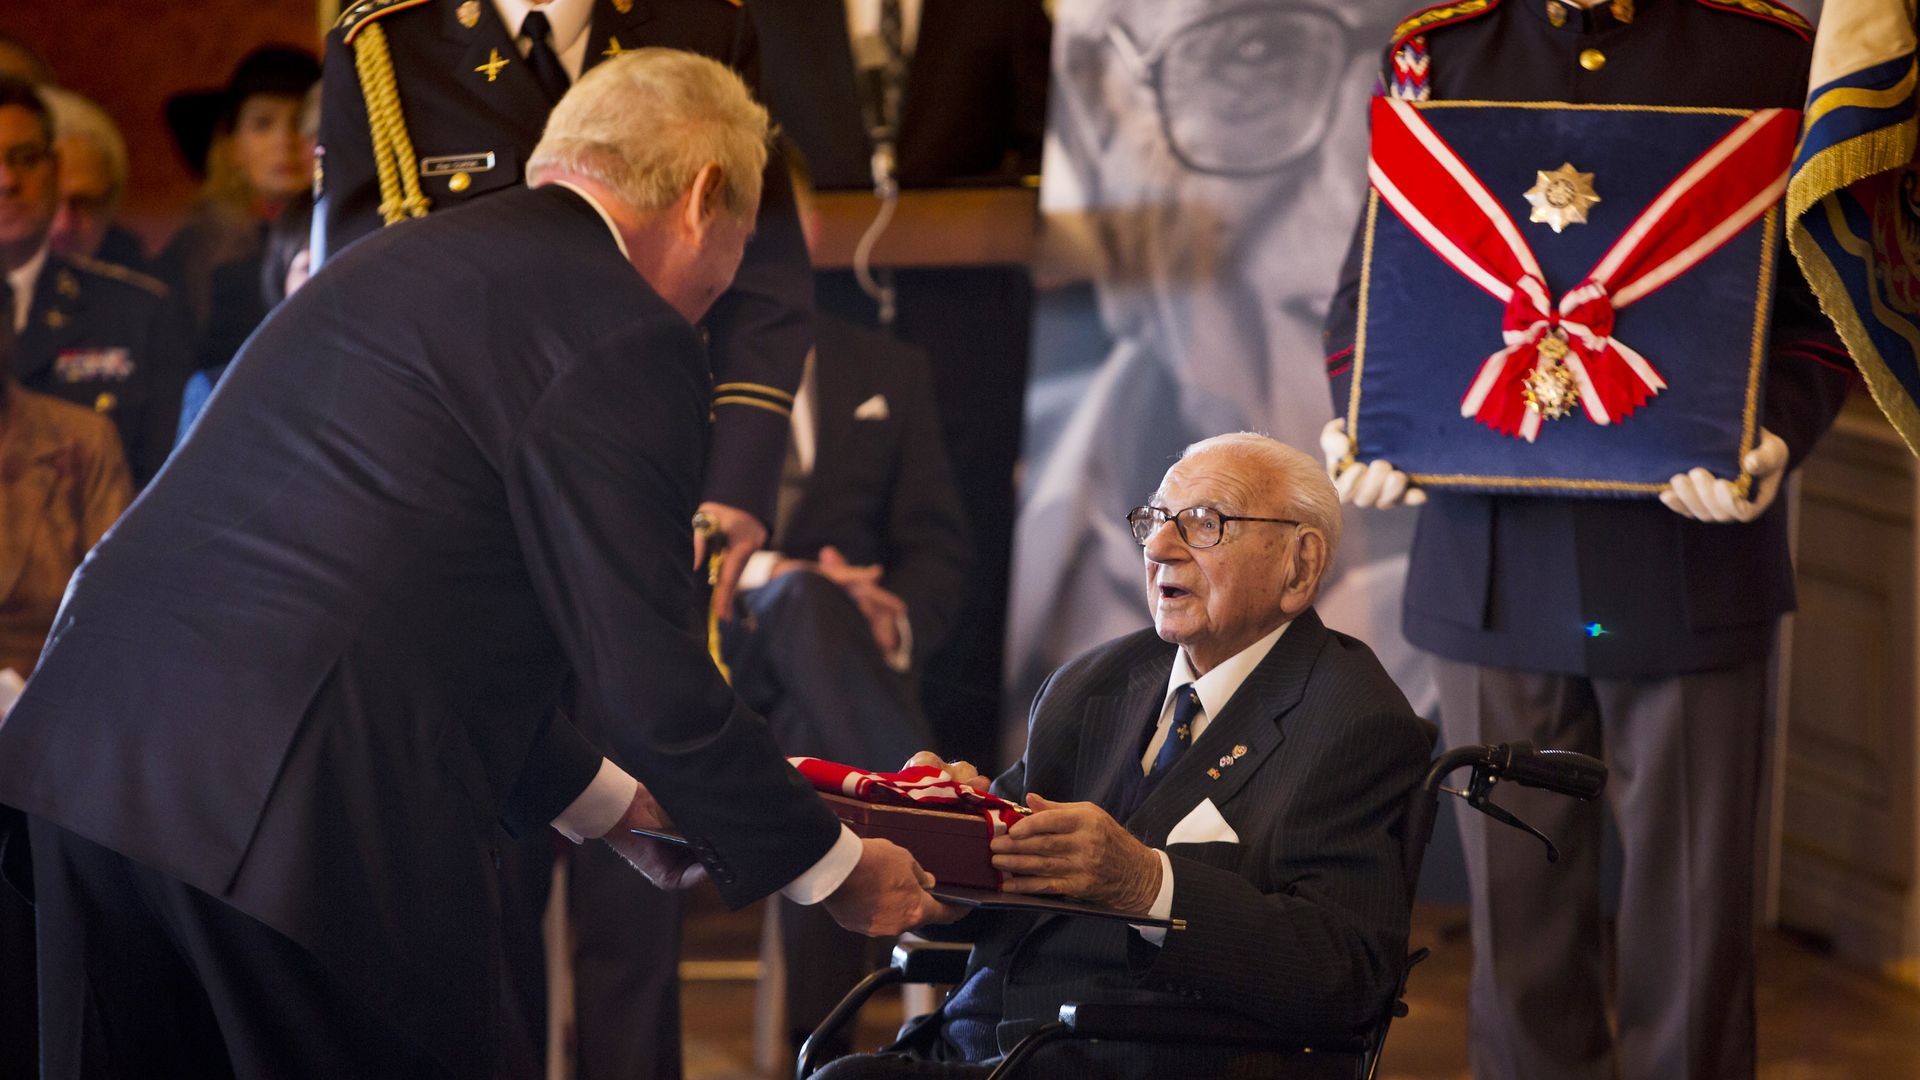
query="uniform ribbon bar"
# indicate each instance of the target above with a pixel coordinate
(1557, 354)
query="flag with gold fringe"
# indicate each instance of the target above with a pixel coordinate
(1853, 203)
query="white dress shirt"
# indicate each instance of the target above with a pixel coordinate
(567, 20)
(597, 811)
(1214, 689)
(22, 281)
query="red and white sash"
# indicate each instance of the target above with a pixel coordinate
(1426, 184)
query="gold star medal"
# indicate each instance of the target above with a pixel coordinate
(1549, 388)
(1562, 197)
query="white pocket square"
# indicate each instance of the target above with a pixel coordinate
(874, 408)
(1203, 825)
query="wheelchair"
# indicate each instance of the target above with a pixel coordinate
(1183, 1022)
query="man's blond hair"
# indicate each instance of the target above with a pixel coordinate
(644, 124)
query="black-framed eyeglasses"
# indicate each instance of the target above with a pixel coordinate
(1199, 526)
(1244, 91)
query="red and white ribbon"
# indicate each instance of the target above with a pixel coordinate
(1726, 189)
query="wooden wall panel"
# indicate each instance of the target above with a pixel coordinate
(131, 56)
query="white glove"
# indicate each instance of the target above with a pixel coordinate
(1377, 484)
(1702, 496)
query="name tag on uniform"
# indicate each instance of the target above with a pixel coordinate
(448, 164)
(90, 365)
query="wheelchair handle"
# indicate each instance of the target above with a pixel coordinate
(1562, 772)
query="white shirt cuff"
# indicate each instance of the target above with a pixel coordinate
(759, 569)
(598, 809)
(829, 873)
(1162, 903)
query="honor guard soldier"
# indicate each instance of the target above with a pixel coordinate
(92, 333)
(1616, 626)
(430, 104)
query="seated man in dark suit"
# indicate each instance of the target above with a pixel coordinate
(1239, 767)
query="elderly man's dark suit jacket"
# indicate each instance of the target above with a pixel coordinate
(315, 663)
(488, 126)
(1303, 922)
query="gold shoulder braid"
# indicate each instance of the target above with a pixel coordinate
(393, 157)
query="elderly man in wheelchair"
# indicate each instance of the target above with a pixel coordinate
(1247, 784)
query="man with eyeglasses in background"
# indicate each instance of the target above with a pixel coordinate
(1240, 768)
(93, 333)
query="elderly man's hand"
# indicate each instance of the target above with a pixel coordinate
(961, 771)
(745, 535)
(1079, 850)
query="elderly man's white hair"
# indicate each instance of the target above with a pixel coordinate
(76, 117)
(645, 122)
(1310, 495)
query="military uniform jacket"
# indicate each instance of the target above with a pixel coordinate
(107, 338)
(1523, 582)
(1302, 923)
(321, 656)
(472, 132)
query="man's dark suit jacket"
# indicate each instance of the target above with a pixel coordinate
(1303, 923)
(317, 661)
(881, 490)
(976, 94)
(454, 111)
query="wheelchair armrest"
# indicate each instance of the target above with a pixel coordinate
(1181, 1021)
(931, 961)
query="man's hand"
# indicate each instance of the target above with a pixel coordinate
(745, 535)
(887, 894)
(1078, 849)
(668, 866)
(961, 771)
(883, 609)
(1377, 484)
(1702, 496)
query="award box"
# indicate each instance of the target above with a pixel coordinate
(1635, 346)
(949, 844)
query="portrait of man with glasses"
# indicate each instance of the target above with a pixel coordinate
(1204, 163)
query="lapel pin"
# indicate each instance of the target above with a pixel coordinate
(1240, 750)
(1226, 760)
(1214, 773)
(66, 286)
(491, 69)
(468, 14)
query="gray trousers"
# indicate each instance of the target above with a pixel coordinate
(1686, 756)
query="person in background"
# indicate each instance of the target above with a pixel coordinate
(63, 481)
(282, 269)
(92, 333)
(93, 179)
(246, 141)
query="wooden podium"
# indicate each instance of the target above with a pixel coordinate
(950, 227)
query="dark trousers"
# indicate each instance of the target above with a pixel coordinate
(1685, 755)
(626, 969)
(810, 666)
(142, 975)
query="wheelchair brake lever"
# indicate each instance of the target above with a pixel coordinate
(1479, 795)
